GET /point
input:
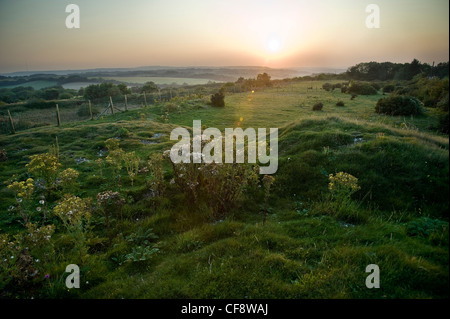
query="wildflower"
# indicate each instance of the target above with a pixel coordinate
(38, 209)
(47, 276)
(19, 200)
(41, 202)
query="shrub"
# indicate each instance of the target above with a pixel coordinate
(376, 86)
(402, 91)
(218, 99)
(399, 105)
(170, 107)
(362, 89)
(318, 107)
(340, 103)
(388, 88)
(65, 96)
(328, 87)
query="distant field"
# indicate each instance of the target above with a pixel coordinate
(77, 85)
(37, 85)
(158, 80)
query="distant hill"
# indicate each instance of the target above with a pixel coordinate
(230, 73)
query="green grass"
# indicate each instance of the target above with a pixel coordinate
(307, 248)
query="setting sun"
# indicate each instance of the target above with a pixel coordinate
(274, 44)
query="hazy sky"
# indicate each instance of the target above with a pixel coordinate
(274, 33)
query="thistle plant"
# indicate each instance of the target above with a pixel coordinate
(45, 166)
(68, 179)
(100, 163)
(131, 162)
(75, 215)
(155, 164)
(115, 156)
(110, 202)
(342, 186)
(23, 191)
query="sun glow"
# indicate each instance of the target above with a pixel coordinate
(274, 44)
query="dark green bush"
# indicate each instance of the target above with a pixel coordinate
(402, 90)
(218, 99)
(361, 89)
(318, 107)
(388, 88)
(65, 96)
(328, 87)
(399, 105)
(376, 86)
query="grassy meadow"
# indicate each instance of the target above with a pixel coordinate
(159, 245)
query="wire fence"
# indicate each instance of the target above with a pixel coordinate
(22, 116)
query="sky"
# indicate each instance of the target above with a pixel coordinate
(273, 33)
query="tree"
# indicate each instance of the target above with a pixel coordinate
(50, 94)
(97, 91)
(149, 87)
(123, 89)
(413, 69)
(263, 79)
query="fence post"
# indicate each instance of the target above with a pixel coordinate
(126, 103)
(12, 123)
(145, 99)
(111, 104)
(90, 110)
(58, 117)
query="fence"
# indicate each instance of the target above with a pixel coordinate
(23, 116)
